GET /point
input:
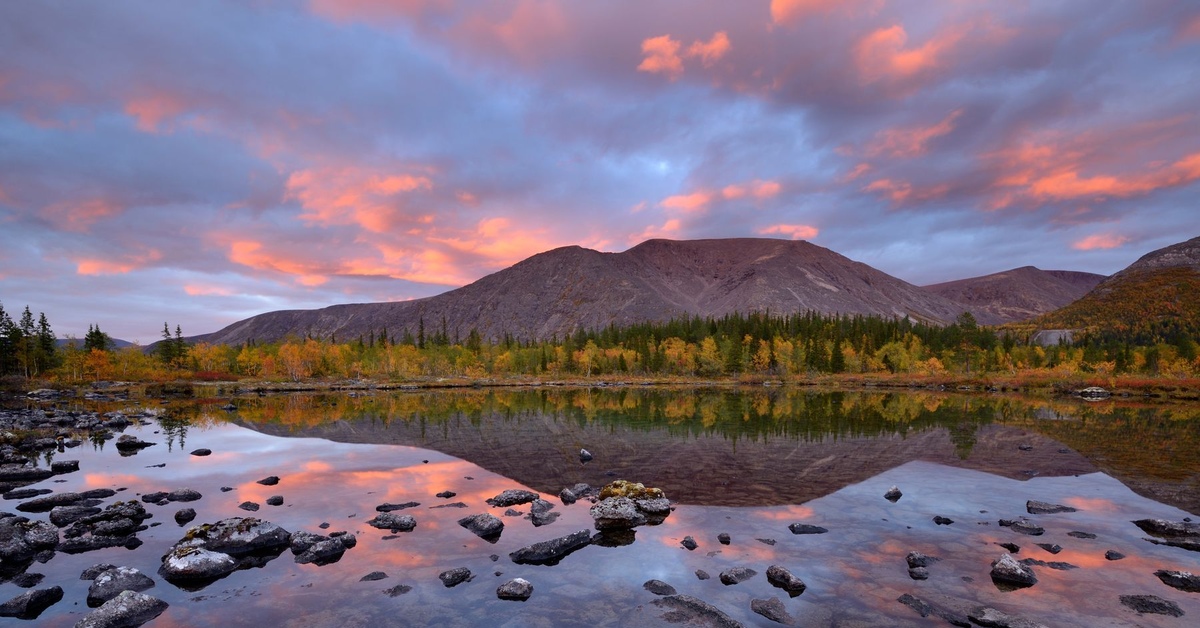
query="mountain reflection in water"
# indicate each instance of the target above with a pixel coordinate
(745, 464)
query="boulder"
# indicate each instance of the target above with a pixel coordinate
(237, 536)
(1152, 604)
(128, 444)
(1044, 508)
(804, 528)
(249, 506)
(50, 502)
(393, 522)
(773, 610)
(63, 516)
(270, 480)
(22, 539)
(1007, 570)
(91, 572)
(724, 538)
(617, 513)
(127, 610)
(736, 575)
(552, 551)
(585, 455)
(203, 451)
(455, 577)
(1023, 526)
(111, 583)
(1169, 529)
(185, 516)
(1182, 580)
(59, 467)
(512, 497)
(539, 513)
(323, 552)
(516, 589)
(689, 543)
(784, 579)
(394, 507)
(658, 587)
(29, 605)
(194, 564)
(486, 526)
(183, 495)
(893, 494)
(1113, 555)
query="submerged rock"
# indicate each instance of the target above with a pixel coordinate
(29, 605)
(804, 528)
(516, 589)
(689, 543)
(485, 526)
(685, 609)
(393, 507)
(773, 610)
(658, 587)
(1034, 507)
(925, 608)
(1023, 526)
(127, 610)
(1152, 604)
(552, 551)
(988, 616)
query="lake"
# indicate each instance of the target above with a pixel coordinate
(744, 462)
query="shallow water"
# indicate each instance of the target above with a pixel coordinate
(745, 463)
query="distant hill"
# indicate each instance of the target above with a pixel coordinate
(566, 289)
(1157, 295)
(1017, 294)
(117, 342)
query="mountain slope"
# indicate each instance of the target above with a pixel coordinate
(559, 291)
(1017, 294)
(1155, 297)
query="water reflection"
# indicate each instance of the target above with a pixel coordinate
(972, 460)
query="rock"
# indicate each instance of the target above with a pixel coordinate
(323, 552)
(128, 444)
(486, 526)
(773, 610)
(585, 455)
(1060, 566)
(516, 589)
(446, 494)
(398, 590)
(784, 579)
(393, 522)
(687, 610)
(658, 587)
(573, 494)
(917, 559)
(454, 577)
(617, 513)
(395, 507)
(249, 506)
(770, 542)
(1113, 555)
(59, 467)
(22, 539)
(91, 572)
(1094, 392)
(1169, 529)
(1045, 508)
(512, 497)
(62, 516)
(942, 521)
(112, 582)
(893, 494)
(183, 495)
(29, 605)
(1013, 548)
(724, 538)
(154, 498)
(275, 500)
(26, 493)
(1053, 548)
(689, 543)
(992, 618)
(270, 480)
(373, 576)
(52, 501)
(194, 564)
(27, 580)
(735, 575)
(632, 490)
(1182, 580)
(202, 452)
(1007, 570)
(1023, 526)
(552, 551)
(23, 473)
(702, 575)
(1152, 604)
(804, 528)
(539, 513)
(127, 610)
(237, 536)
(1081, 535)
(185, 516)
(925, 609)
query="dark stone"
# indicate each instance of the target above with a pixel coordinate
(518, 589)
(202, 452)
(59, 467)
(486, 526)
(129, 444)
(1058, 565)
(685, 609)
(395, 507)
(249, 506)
(49, 502)
(786, 580)
(617, 513)
(395, 523)
(183, 495)
(26, 493)
(446, 494)
(226, 489)
(128, 609)
(539, 513)
(943, 521)
(398, 590)
(770, 542)
(552, 551)
(735, 575)
(184, 516)
(29, 605)
(689, 543)
(893, 494)
(1053, 548)
(1113, 555)
(512, 497)
(804, 528)
(658, 587)
(1045, 508)
(454, 505)
(917, 559)
(773, 610)
(28, 580)
(237, 536)
(62, 516)
(1023, 526)
(918, 573)
(585, 455)
(1169, 529)
(724, 538)
(454, 577)
(154, 498)
(373, 576)
(1081, 535)
(112, 582)
(270, 480)
(275, 500)
(992, 618)
(702, 575)
(925, 609)
(22, 539)
(1152, 604)
(324, 552)
(1008, 571)
(1182, 580)
(91, 572)
(1011, 547)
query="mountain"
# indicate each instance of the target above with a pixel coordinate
(562, 290)
(63, 343)
(1017, 294)
(1155, 297)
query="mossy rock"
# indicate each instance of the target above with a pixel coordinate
(632, 490)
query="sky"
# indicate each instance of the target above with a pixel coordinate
(197, 163)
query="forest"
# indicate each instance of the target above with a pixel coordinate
(757, 345)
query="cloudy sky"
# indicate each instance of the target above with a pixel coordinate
(200, 162)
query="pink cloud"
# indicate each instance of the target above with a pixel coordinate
(79, 216)
(795, 232)
(153, 109)
(669, 229)
(858, 171)
(903, 192)
(201, 290)
(784, 11)
(253, 254)
(661, 57)
(696, 201)
(119, 266)
(911, 141)
(348, 10)
(1102, 241)
(369, 198)
(711, 51)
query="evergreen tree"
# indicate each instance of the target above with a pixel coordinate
(96, 339)
(166, 347)
(47, 345)
(8, 349)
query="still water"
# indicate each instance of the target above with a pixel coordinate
(745, 463)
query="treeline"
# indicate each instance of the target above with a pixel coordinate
(759, 344)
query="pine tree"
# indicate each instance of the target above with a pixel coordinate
(47, 344)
